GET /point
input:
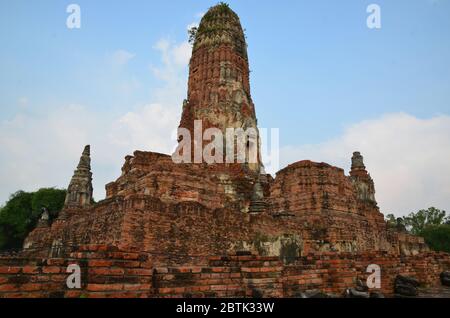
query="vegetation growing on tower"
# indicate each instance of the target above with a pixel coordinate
(218, 26)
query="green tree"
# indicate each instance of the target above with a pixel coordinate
(50, 198)
(417, 222)
(433, 225)
(437, 237)
(21, 212)
(15, 219)
(397, 223)
(391, 220)
(192, 32)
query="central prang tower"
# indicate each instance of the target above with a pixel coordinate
(219, 86)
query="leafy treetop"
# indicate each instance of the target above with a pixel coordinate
(22, 211)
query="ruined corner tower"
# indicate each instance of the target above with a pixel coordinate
(79, 192)
(361, 179)
(219, 87)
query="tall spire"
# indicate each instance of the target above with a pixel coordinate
(79, 192)
(361, 179)
(219, 87)
(357, 162)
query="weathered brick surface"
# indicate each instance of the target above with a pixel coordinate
(220, 276)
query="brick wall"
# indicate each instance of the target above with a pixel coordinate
(189, 228)
(108, 272)
(199, 209)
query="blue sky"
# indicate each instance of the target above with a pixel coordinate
(318, 73)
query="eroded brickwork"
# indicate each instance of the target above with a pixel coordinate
(107, 271)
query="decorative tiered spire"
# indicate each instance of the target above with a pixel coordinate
(361, 179)
(44, 219)
(219, 86)
(357, 162)
(79, 192)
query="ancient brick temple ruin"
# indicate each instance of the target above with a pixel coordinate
(197, 229)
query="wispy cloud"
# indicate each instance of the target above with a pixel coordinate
(121, 57)
(22, 101)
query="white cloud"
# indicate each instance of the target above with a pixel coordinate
(22, 101)
(200, 14)
(408, 158)
(150, 127)
(175, 58)
(121, 57)
(195, 24)
(129, 86)
(182, 53)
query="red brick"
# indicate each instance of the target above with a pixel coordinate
(98, 295)
(38, 294)
(128, 264)
(31, 287)
(220, 269)
(269, 269)
(106, 271)
(9, 270)
(56, 261)
(165, 290)
(104, 287)
(196, 269)
(30, 270)
(162, 270)
(199, 288)
(100, 263)
(184, 269)
(137, 286)
(8, 287)
(59, 278)
(41, 278)
(139, 272)
(127, 256)
(51, 270)
(74, 293)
